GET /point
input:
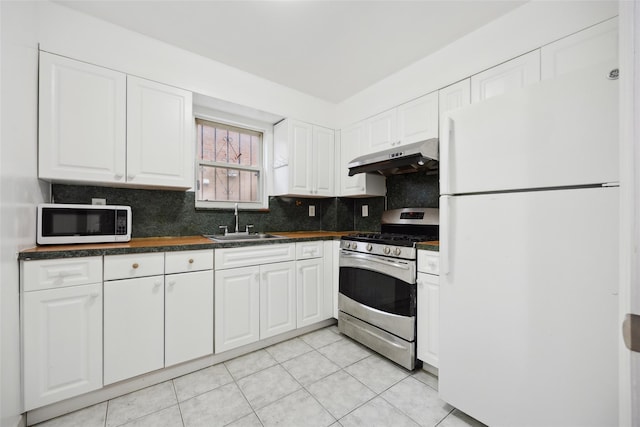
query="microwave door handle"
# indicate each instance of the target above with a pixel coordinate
(402, 266)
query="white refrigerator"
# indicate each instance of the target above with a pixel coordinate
(529, 253)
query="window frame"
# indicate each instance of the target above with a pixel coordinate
(263, 201)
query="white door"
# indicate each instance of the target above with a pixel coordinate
(159, 128)
(188, 316)
(82, 121)
(530, 139)
(629, 39)
(581, 50)
(310, 290)
(352, 141)
(301, 157)
(133, 327)
(62, 343)
(428, 321)
(514, 74)
(528, 307)
(237, 307)
(382, 131)
(277, 298)
(323, 161)
(418, 119)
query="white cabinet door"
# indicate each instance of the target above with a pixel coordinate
(352, 145)
(82, 119)
(455, 96)
(514, 74)
(428, 318)
(62, 340)
(310, 289)
(188, 316)
(133, 327)
(323, 161)
(277, 298)
(159, 143)
(382, 131)
(301, 157)
(237, 305)
(418, 119)
(581, 50)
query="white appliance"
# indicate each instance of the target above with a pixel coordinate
(529, 252)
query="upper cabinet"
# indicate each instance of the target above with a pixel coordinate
(364, 184)
(514, 74)
(159, 142)
(101, 126)
(418, 119)
(583, 49)
(82, 114)
(413, 121)
(303, 159)
(455, 96)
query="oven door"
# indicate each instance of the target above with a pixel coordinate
(380, 291)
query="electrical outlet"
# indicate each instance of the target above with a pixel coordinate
(98, 201)
(365, 210)
(312, 210)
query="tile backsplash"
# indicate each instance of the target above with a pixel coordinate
(415, 190)
(173, 213)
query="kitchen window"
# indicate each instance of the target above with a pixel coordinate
(229, 168)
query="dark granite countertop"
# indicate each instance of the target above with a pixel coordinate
(429, 246)
(164, 244)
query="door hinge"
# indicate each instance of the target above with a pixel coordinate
(631, 332)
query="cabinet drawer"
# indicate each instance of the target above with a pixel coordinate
(185, 261)
(133, 265)
(57, 273)
(253, 255)
(429, 262)
(305, 250)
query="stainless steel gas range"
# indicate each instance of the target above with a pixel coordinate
(377, 299)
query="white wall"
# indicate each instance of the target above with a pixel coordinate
(20, 191)
(526, 28)
(70, 33)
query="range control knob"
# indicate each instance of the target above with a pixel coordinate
(397, 251)
(387, 250)
(369, 247)
(354, 245)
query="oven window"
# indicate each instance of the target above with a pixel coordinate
(378, 291)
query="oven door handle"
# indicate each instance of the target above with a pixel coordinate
(405, 271)
(368, 258)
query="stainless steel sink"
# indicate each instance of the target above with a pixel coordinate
(242, 237)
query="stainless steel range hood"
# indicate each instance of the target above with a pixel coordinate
(409, 158)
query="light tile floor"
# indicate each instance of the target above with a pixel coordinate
(319, 379)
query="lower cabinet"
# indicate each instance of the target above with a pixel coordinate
(133, 327)
(428, 302)
(310, 286)
(61, 328)
(188, 303)
(277, 298)
(237, 302)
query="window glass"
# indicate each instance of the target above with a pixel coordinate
(229, 164)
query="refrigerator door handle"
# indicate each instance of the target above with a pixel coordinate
(445, 235)
(445, 156)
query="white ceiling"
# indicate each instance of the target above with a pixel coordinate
(328, 49)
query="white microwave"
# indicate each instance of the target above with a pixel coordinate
(65, 223)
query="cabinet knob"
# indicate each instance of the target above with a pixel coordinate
(257, 276)
(156, 285)
(94, 295)
(135, 265)
(190, 260)
(130, 177)
(172, 282)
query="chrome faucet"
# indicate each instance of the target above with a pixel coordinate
(236, 213)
